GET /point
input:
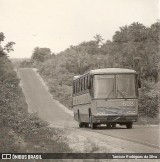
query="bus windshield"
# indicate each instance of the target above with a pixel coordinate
(125, 86)
(104, 86)
(114, 86)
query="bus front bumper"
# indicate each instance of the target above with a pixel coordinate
(114, 119)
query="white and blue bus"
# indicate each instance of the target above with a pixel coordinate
(106, 96)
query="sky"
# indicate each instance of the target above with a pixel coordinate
(57, 24)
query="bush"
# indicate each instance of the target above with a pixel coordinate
(21, 131)
(148, 100)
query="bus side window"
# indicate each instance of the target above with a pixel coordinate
(81, 84)
(89, 82)
(73, 87)
(85, 83)
(76, 86)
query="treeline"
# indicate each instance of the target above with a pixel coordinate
(21, 131)
(133, 47)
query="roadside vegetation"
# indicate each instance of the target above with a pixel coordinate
(134, 47)
(21, 131)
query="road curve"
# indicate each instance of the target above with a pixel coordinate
(39, 100)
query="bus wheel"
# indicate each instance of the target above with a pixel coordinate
(92, 125)
(79, 121)
(86, 125)
(80, 124)
(129, 125)
(114, 125)
(109, 126)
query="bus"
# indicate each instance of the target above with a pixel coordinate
(106, 96)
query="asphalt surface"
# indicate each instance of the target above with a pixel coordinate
(39, 100)
(147, 135)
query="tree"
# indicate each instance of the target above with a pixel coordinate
(98, 39)
(41, 54)
(78, 60)
(25, 64)
(2, 37)
(7, 48)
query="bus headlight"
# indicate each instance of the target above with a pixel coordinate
(131, 112)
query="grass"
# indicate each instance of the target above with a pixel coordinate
(148, 121)
(92, 147)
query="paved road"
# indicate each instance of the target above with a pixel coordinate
(148, 135)
(40, 101)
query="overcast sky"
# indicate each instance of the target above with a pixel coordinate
(57, 24)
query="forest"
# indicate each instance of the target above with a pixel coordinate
(134, 47)
(21, 131)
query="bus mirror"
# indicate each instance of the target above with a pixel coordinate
(139, 83)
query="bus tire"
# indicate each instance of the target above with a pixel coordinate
(86, 125)
(109, 126)
(114, 125)
(92, 125)
(79, 120)
(129, 125)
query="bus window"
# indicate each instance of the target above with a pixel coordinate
(73, 87)
(85, 82)
(88, 81)
(125, 86)
(77, 86)
(81, 84)
(104, 86)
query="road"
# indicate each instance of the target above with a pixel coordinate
(39, 100)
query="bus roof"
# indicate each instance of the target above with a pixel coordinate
(112, 71)
(108, 71)
(77, 76)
